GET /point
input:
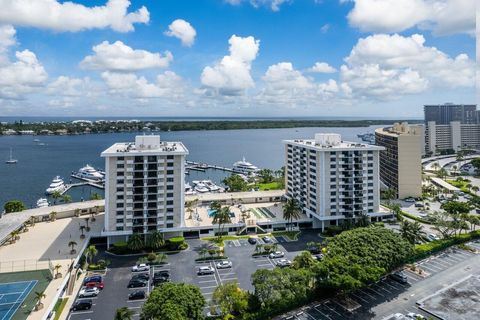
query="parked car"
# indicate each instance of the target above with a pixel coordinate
(252, 240)
(137, 295)
(137, 283)
(415, 316)
(142, 276)
(205, 270)
(159, 280)
(409, 200)
(94, 278)
(283, 263)
(161, 273)
(141, 267)
(433, 237)
(399, 277)
(224, 264)
(267, 239)
(419, 205)
(477, 210)
(88, 292)
(85, 304)
(99, 285)
(318, 257)
(276, 254)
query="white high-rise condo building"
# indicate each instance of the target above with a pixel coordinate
(144, 186)
(333, 180)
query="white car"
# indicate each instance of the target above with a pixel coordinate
(140, 267)
(415, 316)
(409, 200)
(432, 236)
(276, 254)
(225, 264)
(205, 270)
(88, 292)
(283, 263)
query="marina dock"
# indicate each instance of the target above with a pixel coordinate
(79, 184)
(198, 166)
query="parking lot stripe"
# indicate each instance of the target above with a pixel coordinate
(226, 274)
(358, 297)
(265, 264)
(432, 266)
(209, 287)
(381, 288)
(206, 281)
(326, 315)
(443, 264)
(409, 276)
(230, 279)
(428, 269)
(362, 291)
(326, 305)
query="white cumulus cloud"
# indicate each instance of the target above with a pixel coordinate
(70, 16)
(441, 16)
(231, 75)
(322, 67)
(119, 57)
(390, 65)
(182, 30)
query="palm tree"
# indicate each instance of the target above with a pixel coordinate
(397, 211)
(90, 253)
(411, 231)
(57, 271)
(135, 242)
(76, 212)
(475, 189)
(72, 245)
(221, 217)
(56, 195)
(190, 205)
(87, 220)
(82, 230)
(435, 166)
(67, 198)
(454, 169)
(155, 240)
(203, 252)
(123, 313)
(53, 216)
(14, 236)
(291, 210)
(38, 297)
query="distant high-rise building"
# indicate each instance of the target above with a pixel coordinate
(400, 162)
(144, 187)
(333, 180)
(449, 112)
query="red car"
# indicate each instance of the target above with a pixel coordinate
(98, 285)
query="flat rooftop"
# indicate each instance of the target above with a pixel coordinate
(207, 197)
(331, 141)
(130, 149)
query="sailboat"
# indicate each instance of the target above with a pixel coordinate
(11, 160)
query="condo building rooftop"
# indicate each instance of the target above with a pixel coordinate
(329, 141)
(144, 145)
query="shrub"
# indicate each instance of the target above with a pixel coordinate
(175, 243)
(119, 247)
(333, 230)
(151, 257)
(426, 249)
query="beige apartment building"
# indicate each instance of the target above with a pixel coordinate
(332, 179)
(400, 162)
(144, 187)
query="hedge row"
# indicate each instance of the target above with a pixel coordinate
(429, 248)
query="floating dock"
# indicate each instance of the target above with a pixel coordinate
(198, 166)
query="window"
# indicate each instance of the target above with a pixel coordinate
(169, 202)
(169, 179)
(170, 157)
(119, 228)
(120, 197)
(120, 205)
(169, 195)
(120, 173)
(169, 225)
(169, 187)
(120, 166)
(169, 171)
(120, 189)
(170, 164)
(119, 220)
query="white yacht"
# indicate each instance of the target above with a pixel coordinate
(245, 167)
(56, 185)
(211, 186)
(88, 172)
(189, 190)
(42, 203)
(200, 187)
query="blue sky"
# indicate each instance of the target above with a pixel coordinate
(372, 64)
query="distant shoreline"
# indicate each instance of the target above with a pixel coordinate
(119, 126)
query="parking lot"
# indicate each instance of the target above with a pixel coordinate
(183, 268)
(389, 296)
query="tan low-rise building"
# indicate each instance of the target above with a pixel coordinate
(400, 162)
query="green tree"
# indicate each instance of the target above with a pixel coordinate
(90, 253)
(135, 242)
(388, 195)
(230, 299)
(442, 222)
(123, 313)
(39, 296)
(265, 175)
(14, 206)
(56, 195)
(186, 299)
(66, 198)
(221, 217)
(291, 210)
(411, 231)
(235, 183)
(155, 240)
(304, 260)
(95, 196)
(456, 207)
(476, 164)
(72, 245)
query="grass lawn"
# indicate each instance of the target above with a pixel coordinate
(291, 235)
(270, 186)
(462, 185)
(59, 307)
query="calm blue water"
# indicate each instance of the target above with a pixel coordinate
(61, 155)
